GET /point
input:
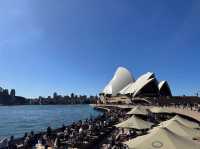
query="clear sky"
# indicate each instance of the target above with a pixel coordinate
(76, 45)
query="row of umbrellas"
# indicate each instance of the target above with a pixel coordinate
(171, 134)
(162, 138)
(140, 110)
(135, 123)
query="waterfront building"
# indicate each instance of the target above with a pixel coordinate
(6, 92)
(124, 84)
(1, 89)
(12, 92)
(55, 95)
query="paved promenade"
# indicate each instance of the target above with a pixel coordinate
(187, 112)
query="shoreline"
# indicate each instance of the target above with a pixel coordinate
(19, 118)
(93, 144)
(40, 105)
(117, 113)
(20, 140)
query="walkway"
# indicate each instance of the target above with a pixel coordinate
(187, 112)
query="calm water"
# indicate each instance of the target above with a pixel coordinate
(16, 120)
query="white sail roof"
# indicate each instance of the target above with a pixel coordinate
(146, 76)
(134, 87)
(135, 123)
(130, 88)
(162, 138)
(121, 78)
(142, 84)
(164, 88)
(123, 83)
(126, 88)
(160, 85)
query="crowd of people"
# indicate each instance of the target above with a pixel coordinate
(183, 105)
(92, 133)
(85, 134)
(119, 135)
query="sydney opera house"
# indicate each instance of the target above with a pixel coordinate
(147, 85)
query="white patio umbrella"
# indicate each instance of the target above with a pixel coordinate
(159, 110)
(135, 123)
(162, 138)
(138, 110)
(180, 129)
(186, 122)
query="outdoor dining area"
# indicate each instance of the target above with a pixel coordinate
(139, 127)
(156, 127)
(83, 134)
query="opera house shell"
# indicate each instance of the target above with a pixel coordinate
(121, 78)
(164, 89)
(146, 85)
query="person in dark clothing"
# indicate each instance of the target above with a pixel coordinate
(11, 143)
(59, 143)
(49, 131)
(25, 135)
(63, 127)
(33, 139)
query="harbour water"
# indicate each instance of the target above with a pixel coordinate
(16, 120)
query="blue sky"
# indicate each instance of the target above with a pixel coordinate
(75, 45)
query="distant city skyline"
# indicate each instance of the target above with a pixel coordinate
(75, 46)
